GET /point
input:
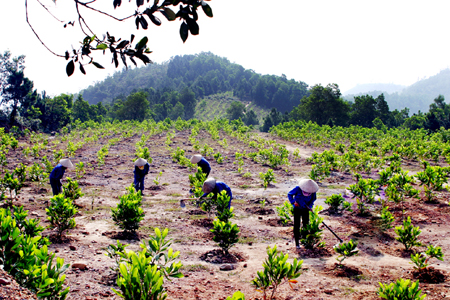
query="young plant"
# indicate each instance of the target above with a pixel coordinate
(80, 170)
(116, 252)
(226, 234)
(364, 191)
(129, 212)
(338, 204)
(160, 254)
(386, 218)
(178, 156)
(61, 212)
(267, 178)
(156, 180)
(408, 234)
(345, 250)
(13, 185)
(277, 271)
(401, 289)
(432, 179)
(312, 233)
(218, 157)
(71, 190)
(140, 280)
(237, 296)
(420, 260)
(285, 212)
(399, 187)
(196, 181)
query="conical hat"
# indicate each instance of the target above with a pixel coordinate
(140, 162)
(196, 158)
(209, 185)
(308, 185)
(65, 162)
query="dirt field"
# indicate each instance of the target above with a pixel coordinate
(381, 257)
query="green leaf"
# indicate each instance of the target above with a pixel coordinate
(142, 43)
(70, 68)
(144, 23)
(184, 31)
(122, 44)
(139, 3)
(193, 26)
(102, 46)
(207, 9)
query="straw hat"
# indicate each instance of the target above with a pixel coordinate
(209, 185)
(196, 158)
(65, 162)
(308, 185)
(140, 162)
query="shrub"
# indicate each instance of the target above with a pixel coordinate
(408, 234)
(277, 271)
(364, 191)
(196, 181)
(338, 204)
(345, 250)
(226, 234)
(71, 190)
(140, 280)
(80, 170)
(129, 212)
(267, 177)
(312, 232)
(421, 260)
(432, 179)
(401, 289)
(61, 212)
(285, 212)
(13, 185)
(386, 218)
(237, 296)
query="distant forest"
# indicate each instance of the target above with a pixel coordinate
(204, 74)
(416, 97)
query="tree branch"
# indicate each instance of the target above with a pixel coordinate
(101, 12)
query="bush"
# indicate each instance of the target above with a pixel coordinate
(71, 190)
(129, 212)
(285, 212)
(408, 234)
(226, 234)
(237, 296)
(401, 289)
(267, 178)
(338, 204)
(346, 250)
(277, 271)
(312, 232)
(421, 260)
(61, 212)
(386, 218)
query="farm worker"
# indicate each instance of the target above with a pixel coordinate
(141, 168)
(302, 197)
(202, 163)
(57, 174)
(212, 186)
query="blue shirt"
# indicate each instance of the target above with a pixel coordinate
(204, 165)
(140, 174)
(57, 172)
(296, 195)
(220, 186)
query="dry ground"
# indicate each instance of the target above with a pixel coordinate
(381, 257)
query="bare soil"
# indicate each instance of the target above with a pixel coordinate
(209, 274)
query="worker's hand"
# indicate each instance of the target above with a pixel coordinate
(296, 204)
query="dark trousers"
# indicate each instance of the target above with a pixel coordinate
(56, 186)
(304, 214)
(139, 184)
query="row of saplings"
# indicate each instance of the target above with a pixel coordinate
(24, 253)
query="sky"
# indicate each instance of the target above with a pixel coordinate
(347, 42)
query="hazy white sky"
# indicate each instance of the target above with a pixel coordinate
(329, 41)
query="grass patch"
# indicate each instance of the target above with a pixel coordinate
(237, 201)
(348, 290)
(198, 217)
(245, 186)
(173, 209)
(165, 184)
(175, 195)
(247, 239)
(195, 268)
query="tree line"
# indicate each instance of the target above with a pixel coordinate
(21, 105)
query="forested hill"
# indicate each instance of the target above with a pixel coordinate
(204, 74)
(418, 96)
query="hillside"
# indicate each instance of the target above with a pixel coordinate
(203, 74)
(417, 96)
(215, 106)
